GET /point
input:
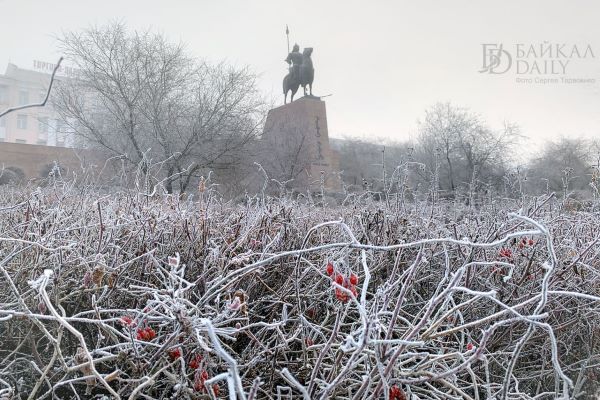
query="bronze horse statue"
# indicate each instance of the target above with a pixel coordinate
(290, 84)
(301, 72)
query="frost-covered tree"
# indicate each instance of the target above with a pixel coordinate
(464, 146)
(147, 100)
(562, 165)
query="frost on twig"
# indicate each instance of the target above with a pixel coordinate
(135, 296)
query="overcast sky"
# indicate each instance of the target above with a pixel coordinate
(384, 62)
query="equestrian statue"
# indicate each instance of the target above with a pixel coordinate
(301, 72)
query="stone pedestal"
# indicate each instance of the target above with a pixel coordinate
(296, 141)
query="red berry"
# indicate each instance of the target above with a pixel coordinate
(505, 253)
(531, 242)
(329, 269)
(151, 333)
(469, 346)
(145, 334)
(216, 389)
(175, 354)
(204, 375)
(341, 295)
(339, 279)
(396, 393)
(353, 290)
(353, 279)
(195, 361)
(126, 320)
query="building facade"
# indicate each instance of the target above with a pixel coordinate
(36, 125)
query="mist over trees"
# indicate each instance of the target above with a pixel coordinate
(456, 151)
(453, 147)
(463, 146)
(567, 164)
(146, 100)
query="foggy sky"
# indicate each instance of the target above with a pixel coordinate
(384, 62)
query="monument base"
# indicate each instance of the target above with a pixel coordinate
(296, 141)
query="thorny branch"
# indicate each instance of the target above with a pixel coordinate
(154, 296)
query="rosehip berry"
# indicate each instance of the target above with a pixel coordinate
(531, 242)
(353, 279)
(341, 295)
(150, 333)
(507, 253)
(339, 279)
(174, 354)
(329, 269)
(145, 334)
(396, 393)
(216, 389)
(469, 346)
(195, 361)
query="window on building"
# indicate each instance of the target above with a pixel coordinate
(43, 125)
(22, 121)
(23, 97)
(22, 141)
(3, 94)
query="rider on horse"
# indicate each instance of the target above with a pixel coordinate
(294, 59)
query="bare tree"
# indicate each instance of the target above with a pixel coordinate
(361, 160)
(465, 145)
(145, 99)
(562, 165)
